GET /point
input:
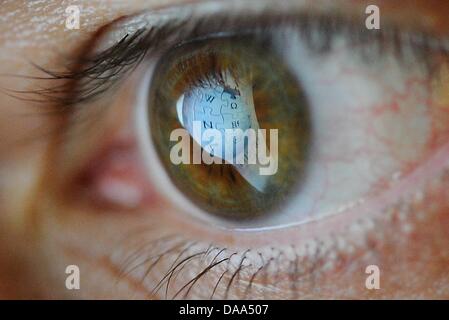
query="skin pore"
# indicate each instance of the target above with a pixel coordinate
(42, 230)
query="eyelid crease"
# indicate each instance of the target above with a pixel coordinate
(87, 78)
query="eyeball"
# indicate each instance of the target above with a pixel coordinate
(230, 125)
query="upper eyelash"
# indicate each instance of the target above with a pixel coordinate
(87, 77)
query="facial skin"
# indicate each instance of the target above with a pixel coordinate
(42, 231)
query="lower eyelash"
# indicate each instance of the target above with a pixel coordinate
(224, 268)
(172, 267)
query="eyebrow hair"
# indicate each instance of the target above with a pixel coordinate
(90, 75)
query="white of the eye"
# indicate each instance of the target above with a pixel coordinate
(338, 100)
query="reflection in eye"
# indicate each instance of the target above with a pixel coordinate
(231, 84)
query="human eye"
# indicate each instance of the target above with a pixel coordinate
(358, 154)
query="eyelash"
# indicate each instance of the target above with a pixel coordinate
(184, 257)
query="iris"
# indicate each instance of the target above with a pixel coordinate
(233, 90)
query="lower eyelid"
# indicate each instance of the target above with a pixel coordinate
(318, 257)
(319, 252)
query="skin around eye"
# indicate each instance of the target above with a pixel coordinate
(41, 234)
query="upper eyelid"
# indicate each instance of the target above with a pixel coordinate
(100, 69)
(172, 29)
(196, 25)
